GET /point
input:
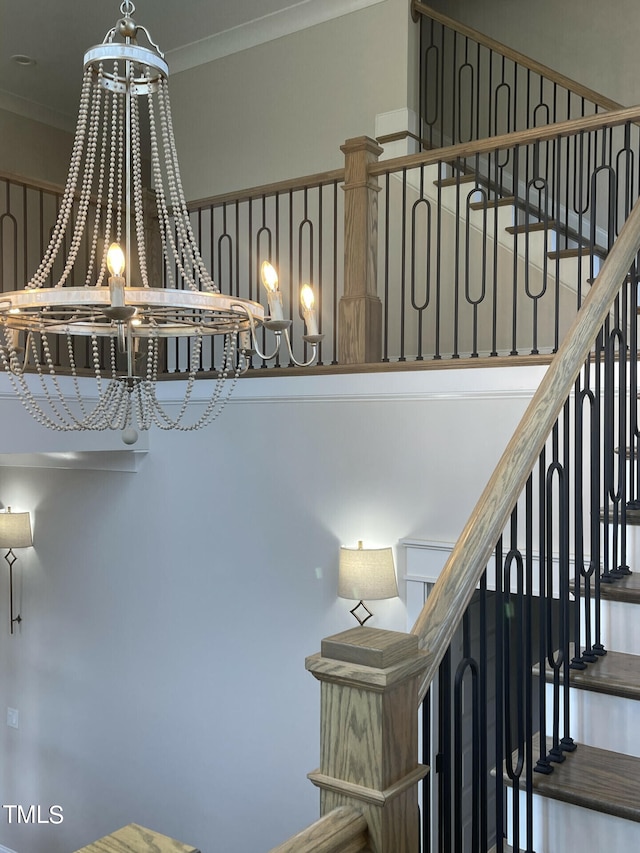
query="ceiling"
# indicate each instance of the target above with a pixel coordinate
(56, 34)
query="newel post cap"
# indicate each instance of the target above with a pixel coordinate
(368, 656)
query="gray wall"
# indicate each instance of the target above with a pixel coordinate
(32, 149)
(590, 41)
(283, 109)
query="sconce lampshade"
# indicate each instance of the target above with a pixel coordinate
(15, 529)
(367, 573)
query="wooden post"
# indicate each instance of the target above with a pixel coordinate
(369, 732)
(360, 310)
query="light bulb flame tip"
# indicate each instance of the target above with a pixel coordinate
(115, 259)
(269, 276)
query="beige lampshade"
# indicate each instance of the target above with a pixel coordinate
(15, 529)
(367, 573)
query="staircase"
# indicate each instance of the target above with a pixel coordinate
(592, 800)
(588, 796)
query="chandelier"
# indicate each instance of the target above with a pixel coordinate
(123, 313)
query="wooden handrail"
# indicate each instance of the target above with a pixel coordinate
(508, 140)
(343, 830)
(453, 152)
(578, 89)
(452, 593)
(29, 183)
(318, 180)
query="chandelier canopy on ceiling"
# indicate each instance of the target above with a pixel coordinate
(122, 309)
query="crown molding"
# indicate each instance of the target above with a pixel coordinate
(36, 112)
(299, 16)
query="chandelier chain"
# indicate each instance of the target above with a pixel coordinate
(66, 205)
(180, 201)
(98, 106)
(137, 183)
(163, 213)
(85, 191)
(121, 164)
(187, 251)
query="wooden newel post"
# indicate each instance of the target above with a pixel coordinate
(360, 310)
(369, 732)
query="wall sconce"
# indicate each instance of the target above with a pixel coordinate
(15, 532)
(366, 573)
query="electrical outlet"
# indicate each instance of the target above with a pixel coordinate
(13, 718)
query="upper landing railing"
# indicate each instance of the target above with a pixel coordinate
(472, 86)
(482, 249)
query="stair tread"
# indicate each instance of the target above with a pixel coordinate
(583, 251)
(626, 589)
(628, 449)
(616, 673)
(496, 202)
(593, 778)
(459, 179)
(531, 226)
(632, 515)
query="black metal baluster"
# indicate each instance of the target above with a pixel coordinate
(425, 785)
(334, 359)
(567, 742)
(543, 763)
(475, 300)
(483, 750)
(385, 308)
(443, 758)
(500, 680)
(439, 249)
(425, 244)
(403, 265)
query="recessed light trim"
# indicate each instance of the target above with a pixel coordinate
(23, 60)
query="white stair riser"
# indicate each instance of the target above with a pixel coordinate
(563, 828)
(598, 719)
(620, 627)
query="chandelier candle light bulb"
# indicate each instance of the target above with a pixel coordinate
(115, 263)
(271, 284)
(115, 260)
(308, 300)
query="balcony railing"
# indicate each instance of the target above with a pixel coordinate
(485, 249)
(473, 87)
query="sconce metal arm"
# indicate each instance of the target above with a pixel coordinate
(280, 329)
(10, 557)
